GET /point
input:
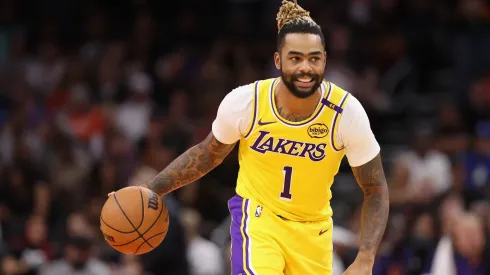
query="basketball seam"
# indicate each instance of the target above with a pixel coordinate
(142, 209)
(161, 210)
(124, 232)
(136, 230)
(119, 231)
(163, 232)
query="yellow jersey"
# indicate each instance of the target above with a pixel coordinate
(289, 167)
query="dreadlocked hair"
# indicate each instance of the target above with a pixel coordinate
(292, 18)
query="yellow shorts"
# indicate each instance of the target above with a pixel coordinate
(263, 243)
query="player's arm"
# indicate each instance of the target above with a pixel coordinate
(375, 208)
(191, 165)
(232, 120)
(363, 153)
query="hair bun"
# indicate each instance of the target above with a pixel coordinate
(290, 12)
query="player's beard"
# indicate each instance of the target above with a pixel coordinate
(289, 82)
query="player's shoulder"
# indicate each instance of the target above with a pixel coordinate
(235, 110)
(352, 104)
(247, 90)
(238, 99)
(242, 95)
(242, 91)
(336, 87)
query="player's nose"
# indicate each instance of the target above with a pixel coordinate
(305, 67)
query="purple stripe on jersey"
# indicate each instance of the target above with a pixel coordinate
(235, 205)
(334, 122)
(332, 106)
(256, 106)
(294, 124)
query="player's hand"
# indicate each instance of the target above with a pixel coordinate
(359, 268)
(112, 193)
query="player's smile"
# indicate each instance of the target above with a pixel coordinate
(302, 84)
(307, 81)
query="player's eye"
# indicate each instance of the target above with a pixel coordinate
(295, 58)
(315, 59)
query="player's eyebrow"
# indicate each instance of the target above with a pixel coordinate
(300, 53)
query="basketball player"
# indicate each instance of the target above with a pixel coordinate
(293, 131)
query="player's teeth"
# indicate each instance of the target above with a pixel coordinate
(304, 79)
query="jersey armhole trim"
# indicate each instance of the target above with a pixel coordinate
(335, 122)
(255, 108)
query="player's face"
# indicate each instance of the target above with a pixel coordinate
(302, 63)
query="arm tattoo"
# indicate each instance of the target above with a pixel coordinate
(375, 208)
(190, 166)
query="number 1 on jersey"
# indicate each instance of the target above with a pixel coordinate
(286, 189)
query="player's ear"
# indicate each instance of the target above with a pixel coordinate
(325, 59)
(277, 60)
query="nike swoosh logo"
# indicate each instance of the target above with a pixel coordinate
(322, 232)
(264, 123)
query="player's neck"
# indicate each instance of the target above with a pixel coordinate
(294, 105)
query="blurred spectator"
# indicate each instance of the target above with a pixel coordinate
(227, 256)
(467, 250)
(69, 167)
(77, 260)
(369, 91)
(450, 210)
(421, 174)
(133, 115)
(471, 39)
(344, 241)
(474, 169)
(171, 256)
(204, 256)
(23, 191)
(109, 73)
(422, 243)
(339, 71)
(45, 70)
(12, 266)
(478, 107)
(82, 119)
(105, 179)
(119, 150)
(130, 265)
(73, 77)
(391, 256)
(482, 209)
(410, 254)
(178, 113)
(452, 135)
(18, 137)
(78, 225)
(33, 248)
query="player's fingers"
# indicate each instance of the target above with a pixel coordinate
(110, 194)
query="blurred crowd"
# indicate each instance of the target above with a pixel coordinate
(99, 95)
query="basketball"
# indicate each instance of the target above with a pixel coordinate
(134, 220)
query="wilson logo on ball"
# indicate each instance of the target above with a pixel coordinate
(153, 201)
